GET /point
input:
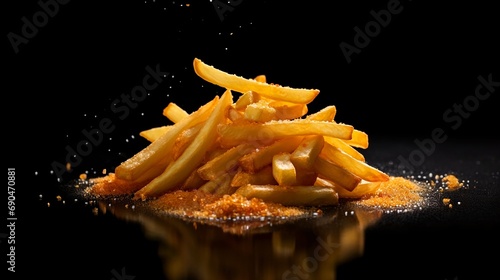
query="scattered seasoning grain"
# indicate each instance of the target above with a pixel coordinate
(446, 201)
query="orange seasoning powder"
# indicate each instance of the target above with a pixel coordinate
(198, 204)
(397, 192)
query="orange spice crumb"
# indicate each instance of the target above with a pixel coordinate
(446, 201)
(452, 182)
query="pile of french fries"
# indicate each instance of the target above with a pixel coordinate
(261, 143)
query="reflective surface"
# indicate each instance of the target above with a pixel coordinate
(346, 242)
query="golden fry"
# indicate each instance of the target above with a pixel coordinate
(330, 171)
(154, 133)
(244, 85)
(156, 151)
(180, 169)
(235, 133)
(291, 196)
(356, 167)
(174, 113)
(263, 156)
(283, 170)
(305, 154)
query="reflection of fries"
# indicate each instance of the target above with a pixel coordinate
(263, 145)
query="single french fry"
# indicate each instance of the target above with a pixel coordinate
(154, 133)
(330, 171)
(235, 133)
(262, 157)
(305, 154)
(243, 85)
(344, 147)
(359, 139)
(291, 195)
(283, 170)
(180, 169)
(363, 189)
(262, 177)
(326, 114)
(354, 166)
(162, 147)
(225, 162)
(174, 113)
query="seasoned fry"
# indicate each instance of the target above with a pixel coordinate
(326, 114)
(154, 133)
(363, 189)
(244, 85)
(246, 99)
(181, 168)
(153, 154)
(284, 170)
(359, 139)
(262, 157)
(356, 167)
(305, 154)
(291, 196)
(330, 171)
(234, 134)
(174, 113)
(344, 147)
(225, 162)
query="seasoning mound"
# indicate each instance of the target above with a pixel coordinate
(197, 204)
(397, 192)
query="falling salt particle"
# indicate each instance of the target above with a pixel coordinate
(36, 173)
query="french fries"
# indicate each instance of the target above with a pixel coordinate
(259, 145)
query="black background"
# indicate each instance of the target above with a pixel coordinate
(63, 80)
